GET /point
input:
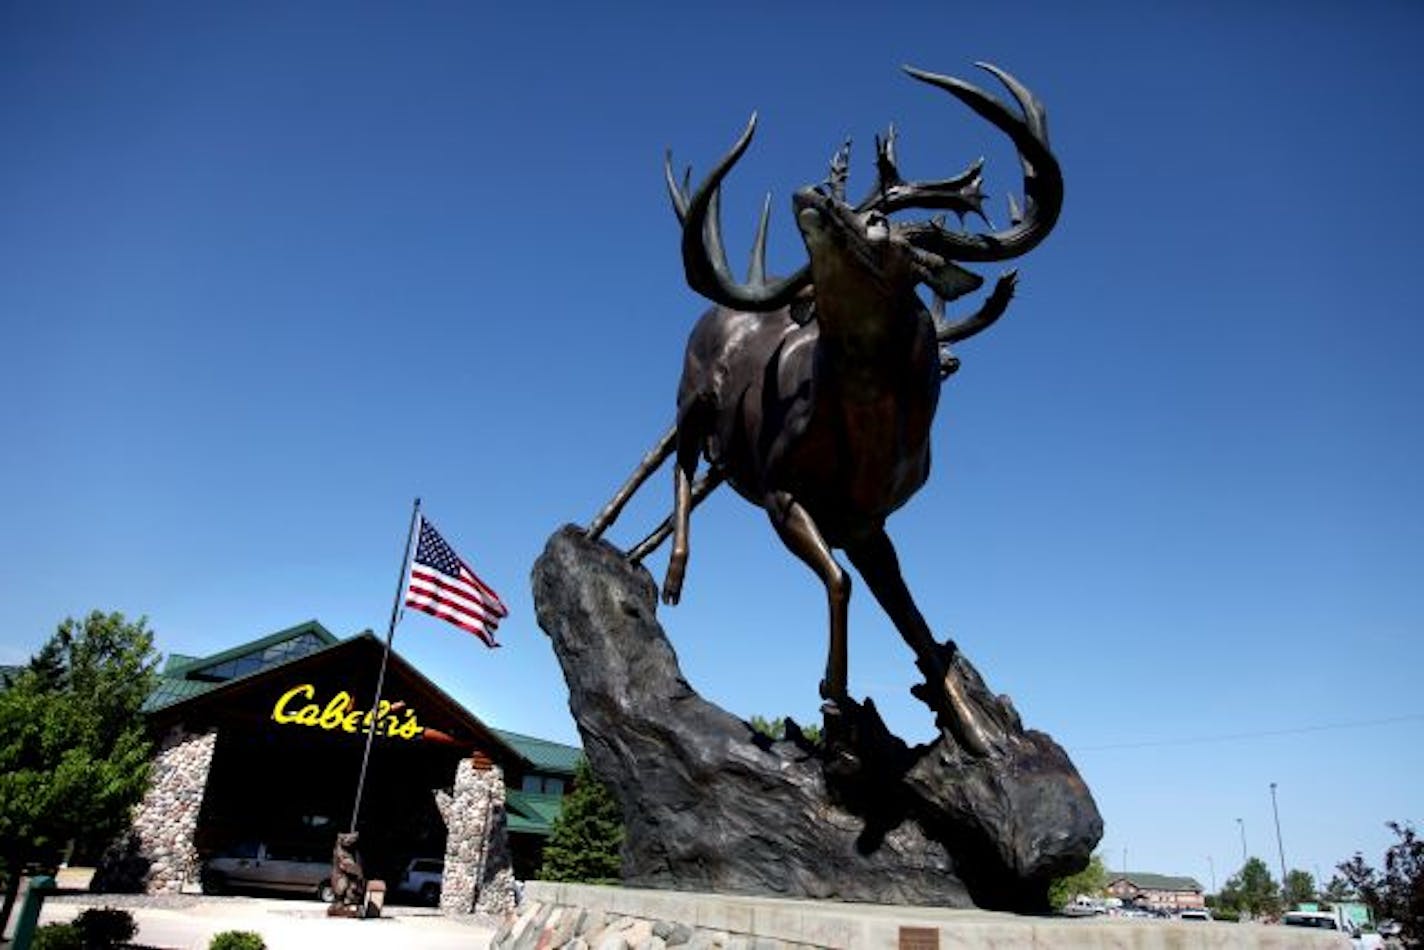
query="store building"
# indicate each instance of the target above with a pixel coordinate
(1157, 892)
(264, 742)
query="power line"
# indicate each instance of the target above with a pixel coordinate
(1262, 734)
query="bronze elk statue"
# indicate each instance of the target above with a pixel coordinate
(814, 395)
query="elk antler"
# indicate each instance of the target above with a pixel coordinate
(1042, 177)
(703, 256)
(992, 309)
(959, 194)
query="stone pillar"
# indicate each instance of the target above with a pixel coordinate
(158, 854)
(479, 877)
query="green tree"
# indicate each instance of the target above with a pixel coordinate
(1397, 892)
(771, 728)
(1252, 890)
(587, 834)
(1300, 887)
(775, 729)
(1337, 890)
(1092, 881)
(74, 755)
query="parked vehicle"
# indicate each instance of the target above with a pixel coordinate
(260, 866)
(1194, 913)
(1082, 906)
(422, 880)
(1323, 920)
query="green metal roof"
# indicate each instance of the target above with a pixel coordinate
(171, 690)
(184, 677)
(1155, 882)
(544, 755)
(200, 665)
(532, 812)
(177, 661)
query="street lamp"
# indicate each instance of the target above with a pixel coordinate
(1242, 826)
(1280, 849)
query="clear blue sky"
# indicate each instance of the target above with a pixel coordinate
(270, 270)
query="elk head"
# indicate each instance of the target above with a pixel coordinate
(857, 255)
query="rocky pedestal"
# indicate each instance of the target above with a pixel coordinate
(157, 855)
(710, 805)
(478, 873)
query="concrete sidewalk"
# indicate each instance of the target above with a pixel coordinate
(188, 922)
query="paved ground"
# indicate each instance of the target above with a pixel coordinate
(189, 922)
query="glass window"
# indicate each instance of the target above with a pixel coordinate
(246, 849)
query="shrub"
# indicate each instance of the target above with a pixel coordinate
(58, 937)
(237, 940)
(104, 927)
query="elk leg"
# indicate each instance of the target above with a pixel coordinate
(655, 457)
(700, 490)
(801, 536)
(874, 557)
(682, 472)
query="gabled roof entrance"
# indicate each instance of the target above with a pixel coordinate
(303, 682)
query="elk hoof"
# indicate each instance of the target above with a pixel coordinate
(837, 743)
(672, 583)
(957, 714)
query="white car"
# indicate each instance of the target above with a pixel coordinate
(1081, 906)
(1321, 920)
(422, 879)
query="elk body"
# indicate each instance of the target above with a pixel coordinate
(814, 395)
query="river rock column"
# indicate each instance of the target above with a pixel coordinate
(158, 854)
(479, 877)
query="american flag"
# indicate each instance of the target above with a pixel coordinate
(443, 586)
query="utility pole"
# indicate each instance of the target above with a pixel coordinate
(1280, 848)
(1242, 826)
(1212, 864)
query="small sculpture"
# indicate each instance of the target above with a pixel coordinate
(348, 877)
(814, 395)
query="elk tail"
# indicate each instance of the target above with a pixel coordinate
(650, 463)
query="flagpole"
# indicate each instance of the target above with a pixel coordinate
(385, 658)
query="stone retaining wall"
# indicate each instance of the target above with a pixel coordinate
(588, 917)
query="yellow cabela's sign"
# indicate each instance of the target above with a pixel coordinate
(296, 707)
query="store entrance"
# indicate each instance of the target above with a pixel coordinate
(295, 788)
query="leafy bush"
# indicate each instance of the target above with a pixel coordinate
(58, 937)
(237, 940)
(104, 927)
